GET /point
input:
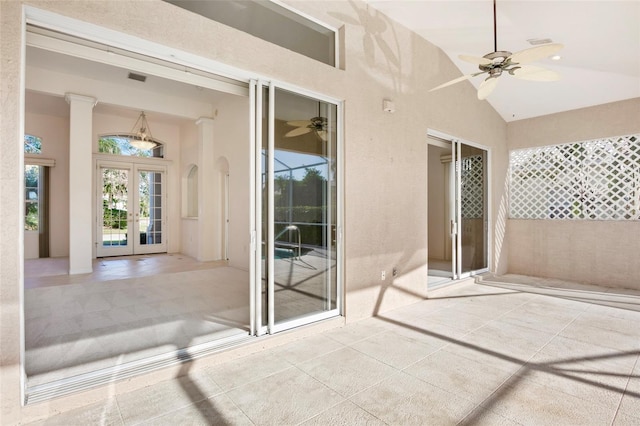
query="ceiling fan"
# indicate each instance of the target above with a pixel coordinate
(317, 124)
(498, 62)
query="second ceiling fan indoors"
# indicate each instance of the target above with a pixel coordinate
(498, 62)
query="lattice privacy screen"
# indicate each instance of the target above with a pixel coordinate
(472, 178)
(597, 180)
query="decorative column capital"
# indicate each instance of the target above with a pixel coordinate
(204, 120)
(69, 97)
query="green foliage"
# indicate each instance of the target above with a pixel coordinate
(31, 176)
(109, 146)
(301, 202)
(306, 214)
(32, 217)
(31, 183)
(114, 218)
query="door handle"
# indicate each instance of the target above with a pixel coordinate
(454, 228)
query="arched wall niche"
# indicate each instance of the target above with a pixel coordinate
(190, 191)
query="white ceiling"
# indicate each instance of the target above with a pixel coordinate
(600, 61)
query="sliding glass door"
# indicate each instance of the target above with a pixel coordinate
(471, 208)
(297, 191)
(458, 210)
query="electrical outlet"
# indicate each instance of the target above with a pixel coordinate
(383, 275)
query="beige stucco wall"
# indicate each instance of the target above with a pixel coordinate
(598, 252)
(385, 155)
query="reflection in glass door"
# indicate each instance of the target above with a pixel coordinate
(130, 219)
(298, 171)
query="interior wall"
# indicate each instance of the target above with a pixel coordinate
(597, 252)
(188, 156)
(231, 145)
(231, 130)
(437, 188)
(54, 131)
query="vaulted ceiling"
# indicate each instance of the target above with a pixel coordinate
(600, 61)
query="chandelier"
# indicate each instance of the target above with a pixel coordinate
(141, 134)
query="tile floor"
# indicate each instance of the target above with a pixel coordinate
(135, 307)
(510, 351)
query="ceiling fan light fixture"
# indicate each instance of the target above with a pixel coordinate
(497, 62)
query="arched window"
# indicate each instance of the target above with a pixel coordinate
(125, 144)
(32, 144)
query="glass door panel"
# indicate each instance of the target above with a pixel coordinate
(473, 209)
(299, 212)
(115, 218)
(441, 212)
(149, 215)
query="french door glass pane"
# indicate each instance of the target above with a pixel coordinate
(150, 207)
(115, 195)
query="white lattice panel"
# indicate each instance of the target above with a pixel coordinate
(598, 180)
(472, 177)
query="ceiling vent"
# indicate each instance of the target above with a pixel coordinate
(137, 77)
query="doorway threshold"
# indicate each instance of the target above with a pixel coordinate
(85, 381)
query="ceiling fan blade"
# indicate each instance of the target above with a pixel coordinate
(530, 72)
(297, 132)
(535, 53)
(475, 59)
(456, 80)
(486, 87)
(299, 123)
(322, 134)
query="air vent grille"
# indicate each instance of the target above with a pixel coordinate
(137, 77)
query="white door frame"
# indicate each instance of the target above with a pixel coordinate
(271, 327)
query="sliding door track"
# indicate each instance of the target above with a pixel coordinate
(81, 382)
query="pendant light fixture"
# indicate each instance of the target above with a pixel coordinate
(141, 134)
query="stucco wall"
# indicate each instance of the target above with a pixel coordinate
(597, 252)
(385, 155)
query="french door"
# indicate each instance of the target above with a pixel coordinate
(131, 200)
(297, 237)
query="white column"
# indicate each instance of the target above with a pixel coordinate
(208, 190)
(80, 186)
